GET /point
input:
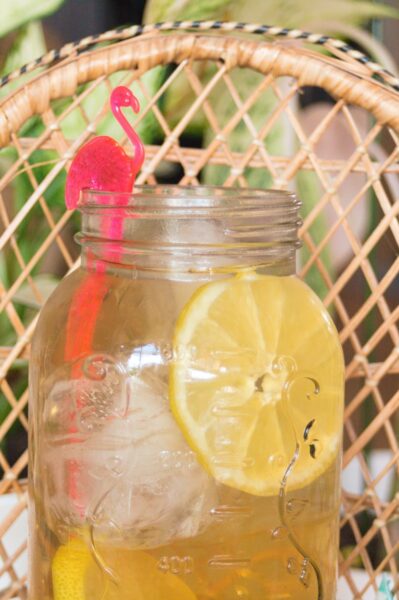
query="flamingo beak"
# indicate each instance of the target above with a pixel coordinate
(135, 104)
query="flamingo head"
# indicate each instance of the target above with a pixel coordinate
(123, 96)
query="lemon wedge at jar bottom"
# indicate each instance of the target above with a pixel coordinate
(76, 576)
(259, 369)
(69, 568)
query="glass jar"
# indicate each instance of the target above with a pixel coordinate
(186, 407)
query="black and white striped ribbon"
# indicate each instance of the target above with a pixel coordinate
(122, 33)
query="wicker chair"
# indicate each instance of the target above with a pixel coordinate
(69, 92)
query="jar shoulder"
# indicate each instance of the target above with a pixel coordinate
(53, 314)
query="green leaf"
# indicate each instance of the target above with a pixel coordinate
(161, 10)
(33, 231)
(353, 12)
(7, 157)
(15, 13)
(180, 96)
(74, 124)
(245, 81)
(309, 191)
(302, 14)
(28, 45)
(45, 283)
(288, 13)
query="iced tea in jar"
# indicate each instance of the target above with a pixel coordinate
(186, 407)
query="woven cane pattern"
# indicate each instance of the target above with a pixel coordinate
(45, 121)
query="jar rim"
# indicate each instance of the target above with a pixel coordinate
(168, 227)
(175, 200)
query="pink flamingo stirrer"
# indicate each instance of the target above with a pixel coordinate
(100, 165)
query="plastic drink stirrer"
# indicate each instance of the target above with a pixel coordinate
(100, 165)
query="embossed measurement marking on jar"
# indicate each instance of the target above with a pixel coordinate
(227, 561)
(279, 533)
(223, 411)
(177, 459)
(301, 571)
(178, 565)
(226, 511)
(296, 506)
(230, 461)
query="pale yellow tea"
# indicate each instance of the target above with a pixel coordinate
(194, 454)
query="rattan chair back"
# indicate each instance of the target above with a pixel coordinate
(339, 149)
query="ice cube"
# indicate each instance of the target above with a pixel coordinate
(137, 482)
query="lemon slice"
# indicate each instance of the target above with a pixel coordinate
(134, 575)
(258, 382)
(69, 568)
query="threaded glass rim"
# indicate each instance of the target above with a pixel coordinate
(175, 228)
(173, 201)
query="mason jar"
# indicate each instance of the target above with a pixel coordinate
(186, 407)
